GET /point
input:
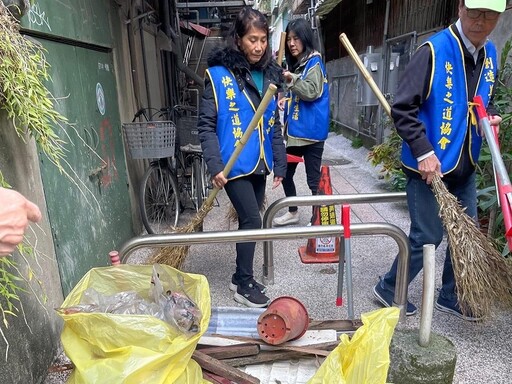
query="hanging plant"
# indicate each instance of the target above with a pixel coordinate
(30, 108)
(23, 94)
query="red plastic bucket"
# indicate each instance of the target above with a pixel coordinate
(285, 319)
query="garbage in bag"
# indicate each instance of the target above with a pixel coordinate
(364, 358)
(176, 307)
(171, 305)
(136, 348)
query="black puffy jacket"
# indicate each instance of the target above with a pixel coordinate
(207, 124)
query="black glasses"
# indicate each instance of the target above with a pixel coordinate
(488, 15)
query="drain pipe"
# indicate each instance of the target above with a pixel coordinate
(385, 72)
(144, 62)
(427, 304)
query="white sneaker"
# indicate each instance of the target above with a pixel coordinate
(287, 219)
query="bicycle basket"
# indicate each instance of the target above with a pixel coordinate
(187, 131)
(150, 139)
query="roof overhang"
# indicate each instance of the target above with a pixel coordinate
(323, 7)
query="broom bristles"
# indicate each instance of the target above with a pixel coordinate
(175, 256)
(483, 277)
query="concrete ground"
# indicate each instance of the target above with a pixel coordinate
(484, 350)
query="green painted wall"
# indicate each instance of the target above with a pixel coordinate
(86, 21)
(88, 209)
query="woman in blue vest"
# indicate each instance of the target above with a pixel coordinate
(237, 77)
(306, 110)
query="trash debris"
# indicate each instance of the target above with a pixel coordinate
(173, 307)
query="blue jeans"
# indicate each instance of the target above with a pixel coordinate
(427, 228)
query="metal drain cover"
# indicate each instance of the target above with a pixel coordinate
(336, 161)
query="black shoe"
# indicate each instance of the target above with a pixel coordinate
(385, 296)
(234, 285)
(452, 307)
(251, 296)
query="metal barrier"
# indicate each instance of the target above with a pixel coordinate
(396, 233)
(269, 234)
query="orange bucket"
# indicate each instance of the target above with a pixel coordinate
(285, 319)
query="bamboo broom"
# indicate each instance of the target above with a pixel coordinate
(175, 256)
(483, 277)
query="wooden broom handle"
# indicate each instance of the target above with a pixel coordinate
(280, 53)
(271, 91)
(375, 88)
(251, 127)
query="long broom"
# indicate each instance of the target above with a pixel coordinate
(483, 277)
(176, 255)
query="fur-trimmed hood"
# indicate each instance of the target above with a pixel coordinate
(235, 61)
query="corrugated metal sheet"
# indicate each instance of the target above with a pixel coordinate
(364, 23)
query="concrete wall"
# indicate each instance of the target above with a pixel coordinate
(32, 345)
(503, 30)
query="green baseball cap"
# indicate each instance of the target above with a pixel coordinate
(493, 5)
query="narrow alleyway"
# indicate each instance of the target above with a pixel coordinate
(484, 350)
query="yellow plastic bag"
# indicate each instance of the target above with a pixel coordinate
(363, 359)
(119, 348)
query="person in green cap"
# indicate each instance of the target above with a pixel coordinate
(432, 113)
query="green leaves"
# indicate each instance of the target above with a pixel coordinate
(24, 96)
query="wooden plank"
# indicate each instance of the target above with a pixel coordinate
(229, 351)
(215, 379)
(222, 369)
(338, 325)
(306, 349)
(269, 356)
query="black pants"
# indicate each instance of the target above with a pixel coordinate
(312, 161)
(247, 195)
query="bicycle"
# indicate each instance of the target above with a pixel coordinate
(177, 174)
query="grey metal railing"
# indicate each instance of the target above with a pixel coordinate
(270, 234)
(396, 233)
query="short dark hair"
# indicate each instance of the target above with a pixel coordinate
(303, 31)
(247, 18)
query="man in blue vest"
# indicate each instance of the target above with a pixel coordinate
(433, 115)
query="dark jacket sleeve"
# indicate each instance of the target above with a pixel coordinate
(411, 93)
(311, 87)
(278, 149)
(491, 108)
(207, 128)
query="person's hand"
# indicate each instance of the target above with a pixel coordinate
(495, 122)
(282, 102)
(277, 181)
(219, 180)
(428, 167)
(287, 76)
(16, 213)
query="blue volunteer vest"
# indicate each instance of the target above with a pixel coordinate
(309, 119)
(234, 113)
(445, 112)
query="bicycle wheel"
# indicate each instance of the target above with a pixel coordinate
(196, 183)
(205, 176)
(159, 199)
